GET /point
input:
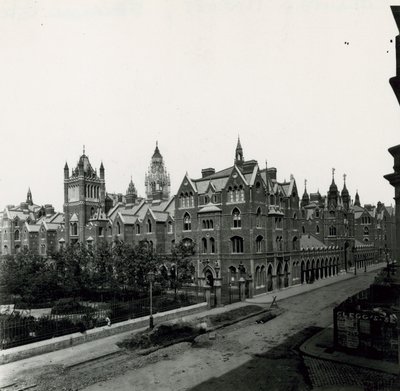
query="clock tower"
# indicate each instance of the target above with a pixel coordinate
(157, 180)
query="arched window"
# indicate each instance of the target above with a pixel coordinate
(181, 201)
(91, 211)
(16, 235)
(294, 243)
(258, 218)
(74, 229)
(332, 230)
(232, 272)
(259, 244)
(187, 222)
(241, 194)
(204, 245)
(316, 212)
(303, 229)
(366, 231)
(149, 227)
(137, 229)
(237, 244)
(204, 224)
(191, 199)
(230, 195)
(211, 224)
(42, 249)
(237, 222)
(317, 229)
(212, 245)
(170, 227)
(118, 228)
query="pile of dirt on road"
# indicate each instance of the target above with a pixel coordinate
(164, 335)
(232, 315)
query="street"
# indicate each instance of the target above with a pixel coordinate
(246, 355)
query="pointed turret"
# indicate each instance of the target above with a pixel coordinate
(29, 200)
(345, 194)
(333, 193)
(357, 199)
(305, 200)
(239, 154)
(66, 171)
(131, 193)
(101, 171)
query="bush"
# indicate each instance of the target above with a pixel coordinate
(70, 306)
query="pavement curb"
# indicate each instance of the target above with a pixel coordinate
(307, 347)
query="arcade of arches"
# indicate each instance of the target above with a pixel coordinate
(268, 277)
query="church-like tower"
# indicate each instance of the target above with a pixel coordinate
(131, 193)
(84, 193)
(157, 179)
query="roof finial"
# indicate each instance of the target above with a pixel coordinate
(344, 178)
(305, 184)
(83, 148)
(156, 143)
(333, 174)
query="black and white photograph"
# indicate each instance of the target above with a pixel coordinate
(199, 195)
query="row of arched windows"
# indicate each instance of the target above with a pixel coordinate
(92, 191)
(208, 224)
(186, 200)
(208, 246)
(235, 194)
(365, 220)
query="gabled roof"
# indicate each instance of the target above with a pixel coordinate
(160, 216)
(32, 227)
(253, 175)
(74, 218)
(127, 219)
(50, 226)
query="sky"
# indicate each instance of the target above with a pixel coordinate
(117, 76)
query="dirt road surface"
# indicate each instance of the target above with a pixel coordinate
(243, 356)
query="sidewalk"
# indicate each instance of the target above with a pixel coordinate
(321, 346)
(267, 298)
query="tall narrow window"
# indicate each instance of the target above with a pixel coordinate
(149, 227)
(204, 245)
(187, 223)
(212, 245)
(118, 228)
(317, 229)
(16, 235)
(259, 243)
(237, 244)
(258, 218)
(237, 222)
(170, 227)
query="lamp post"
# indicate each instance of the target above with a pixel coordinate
(150, 277)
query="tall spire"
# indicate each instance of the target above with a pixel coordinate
(239, 153)
(357, 199)
(305, 200)
(29, 200)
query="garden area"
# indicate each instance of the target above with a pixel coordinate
(78, 289)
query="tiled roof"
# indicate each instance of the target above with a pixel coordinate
(33, 227)
(209, 208)
(160, 216)
(310, 241)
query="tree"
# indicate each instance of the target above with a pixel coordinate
(182, 268)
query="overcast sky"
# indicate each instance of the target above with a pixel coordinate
(116, 76)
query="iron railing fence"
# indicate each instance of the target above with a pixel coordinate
(19, 328)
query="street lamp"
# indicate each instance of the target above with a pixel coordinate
(150, 277)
